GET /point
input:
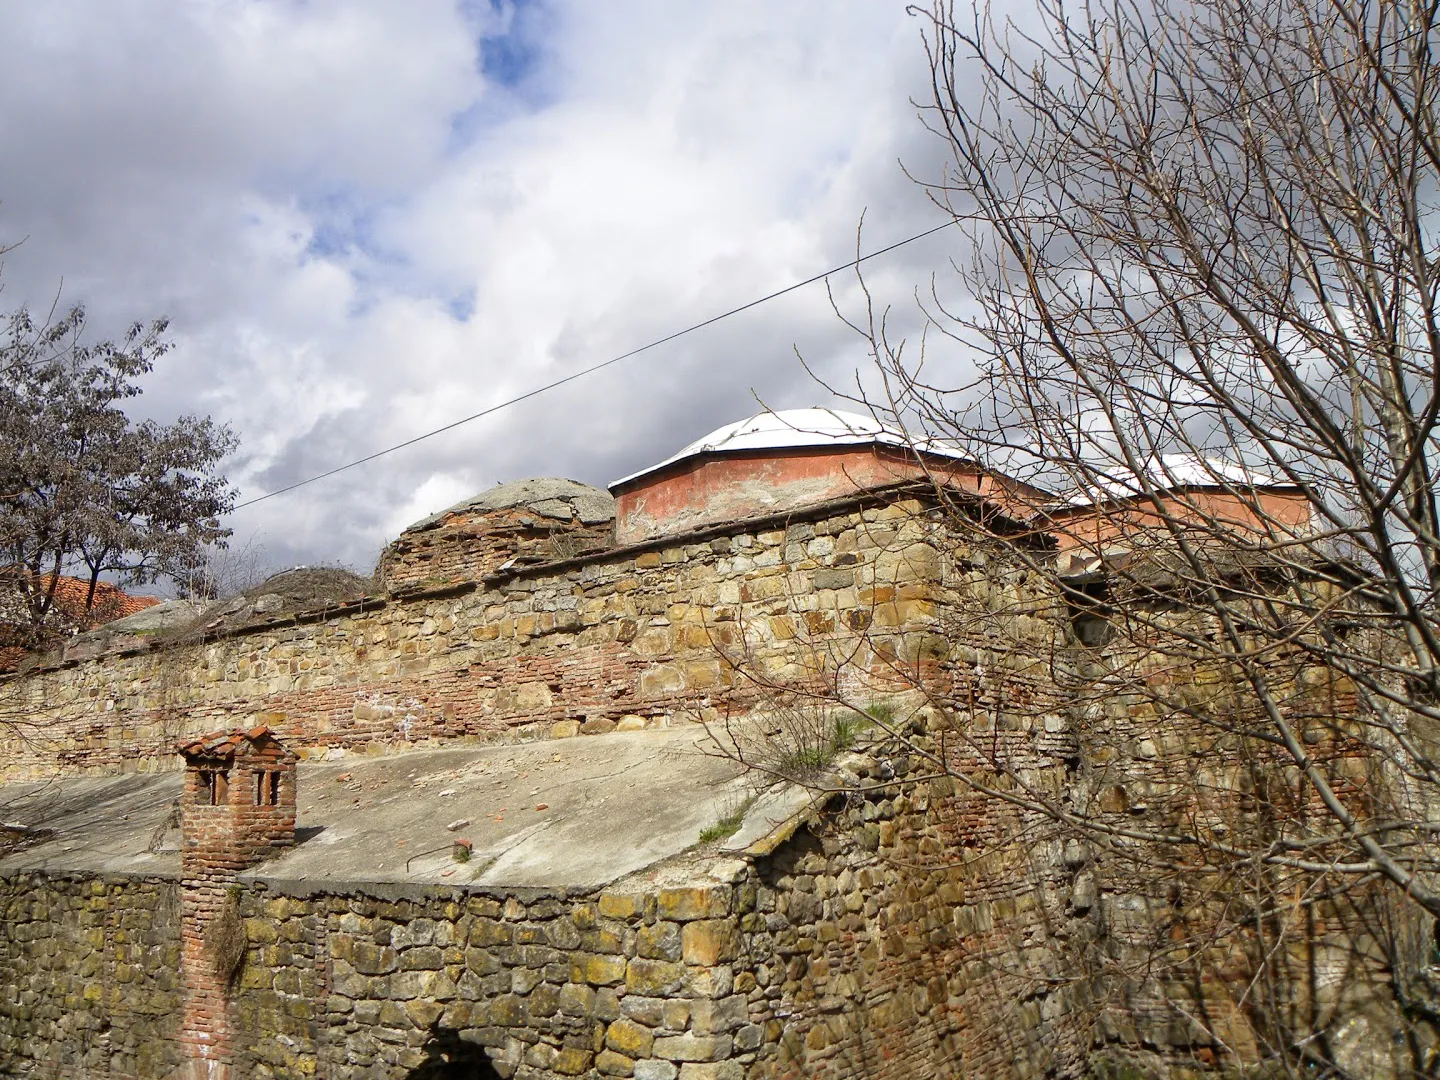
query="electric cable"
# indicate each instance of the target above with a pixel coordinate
(594, 367)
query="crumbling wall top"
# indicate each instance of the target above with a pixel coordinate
(524, 522)
(554, 499)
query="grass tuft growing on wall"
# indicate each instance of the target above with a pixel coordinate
(729, 824)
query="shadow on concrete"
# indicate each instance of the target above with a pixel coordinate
(448, 1057)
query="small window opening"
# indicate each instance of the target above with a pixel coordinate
(267, 789)
(217, 786)
(1090, 612)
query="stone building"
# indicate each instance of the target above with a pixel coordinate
(514, 810)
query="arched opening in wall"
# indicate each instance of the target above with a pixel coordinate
(448, 1057)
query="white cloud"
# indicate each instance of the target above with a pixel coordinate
(366, 222)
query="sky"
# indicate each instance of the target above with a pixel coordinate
(366, 219)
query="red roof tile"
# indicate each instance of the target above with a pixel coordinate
(222, 743)
(110, 602)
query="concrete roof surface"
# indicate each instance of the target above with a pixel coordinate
(572, 813)
(97, 824)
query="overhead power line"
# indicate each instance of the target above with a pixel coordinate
(594, 367)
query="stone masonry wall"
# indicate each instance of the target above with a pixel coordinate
(852, 950)
(867, 944)
(913, 928)
(630, 638)
(91, 984)
(917, 927)
(1231, 960)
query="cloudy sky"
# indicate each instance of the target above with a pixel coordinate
(368, 218)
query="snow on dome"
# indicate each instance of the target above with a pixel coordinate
(791, 428)
(1171, 472)
(1192, 470)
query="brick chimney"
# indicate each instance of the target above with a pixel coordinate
(238, 808)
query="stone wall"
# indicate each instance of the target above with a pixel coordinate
(907, 930)
(1235, 953)
(837, 956)
(921, 925)
(859, 946)
(627, 638)
(911, 928)
(92, 982)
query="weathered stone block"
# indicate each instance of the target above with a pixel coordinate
(607, 1004)
(609, 1063)
(260, 931)
(435, 985)
(691, 1047)
(749, 1038)
(711, 982)
(694, 902)
(645, 1010)
(576, 999)
(597, 970)
(423, 1014)
(718, 1016)
(710, 942)
(654, 978)
(507, 1010)
(572, 1061)
(371, 959)
(427, 958)
(719, 1070)
(659, 941)
(674, 1015)
(629, 1038)
(544, 1000)
(486, 932)
(621, 905)
(602, 940)
(541, 1056)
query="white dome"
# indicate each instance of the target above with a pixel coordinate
(794, 428)
(1171, 472)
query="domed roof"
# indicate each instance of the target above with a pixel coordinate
(548, 496)
(1171, 472)
(792, 428)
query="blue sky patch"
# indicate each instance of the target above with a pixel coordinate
(462, 305)
(509, 36)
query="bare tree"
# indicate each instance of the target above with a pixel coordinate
(1204, 255)
(1200, 291)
